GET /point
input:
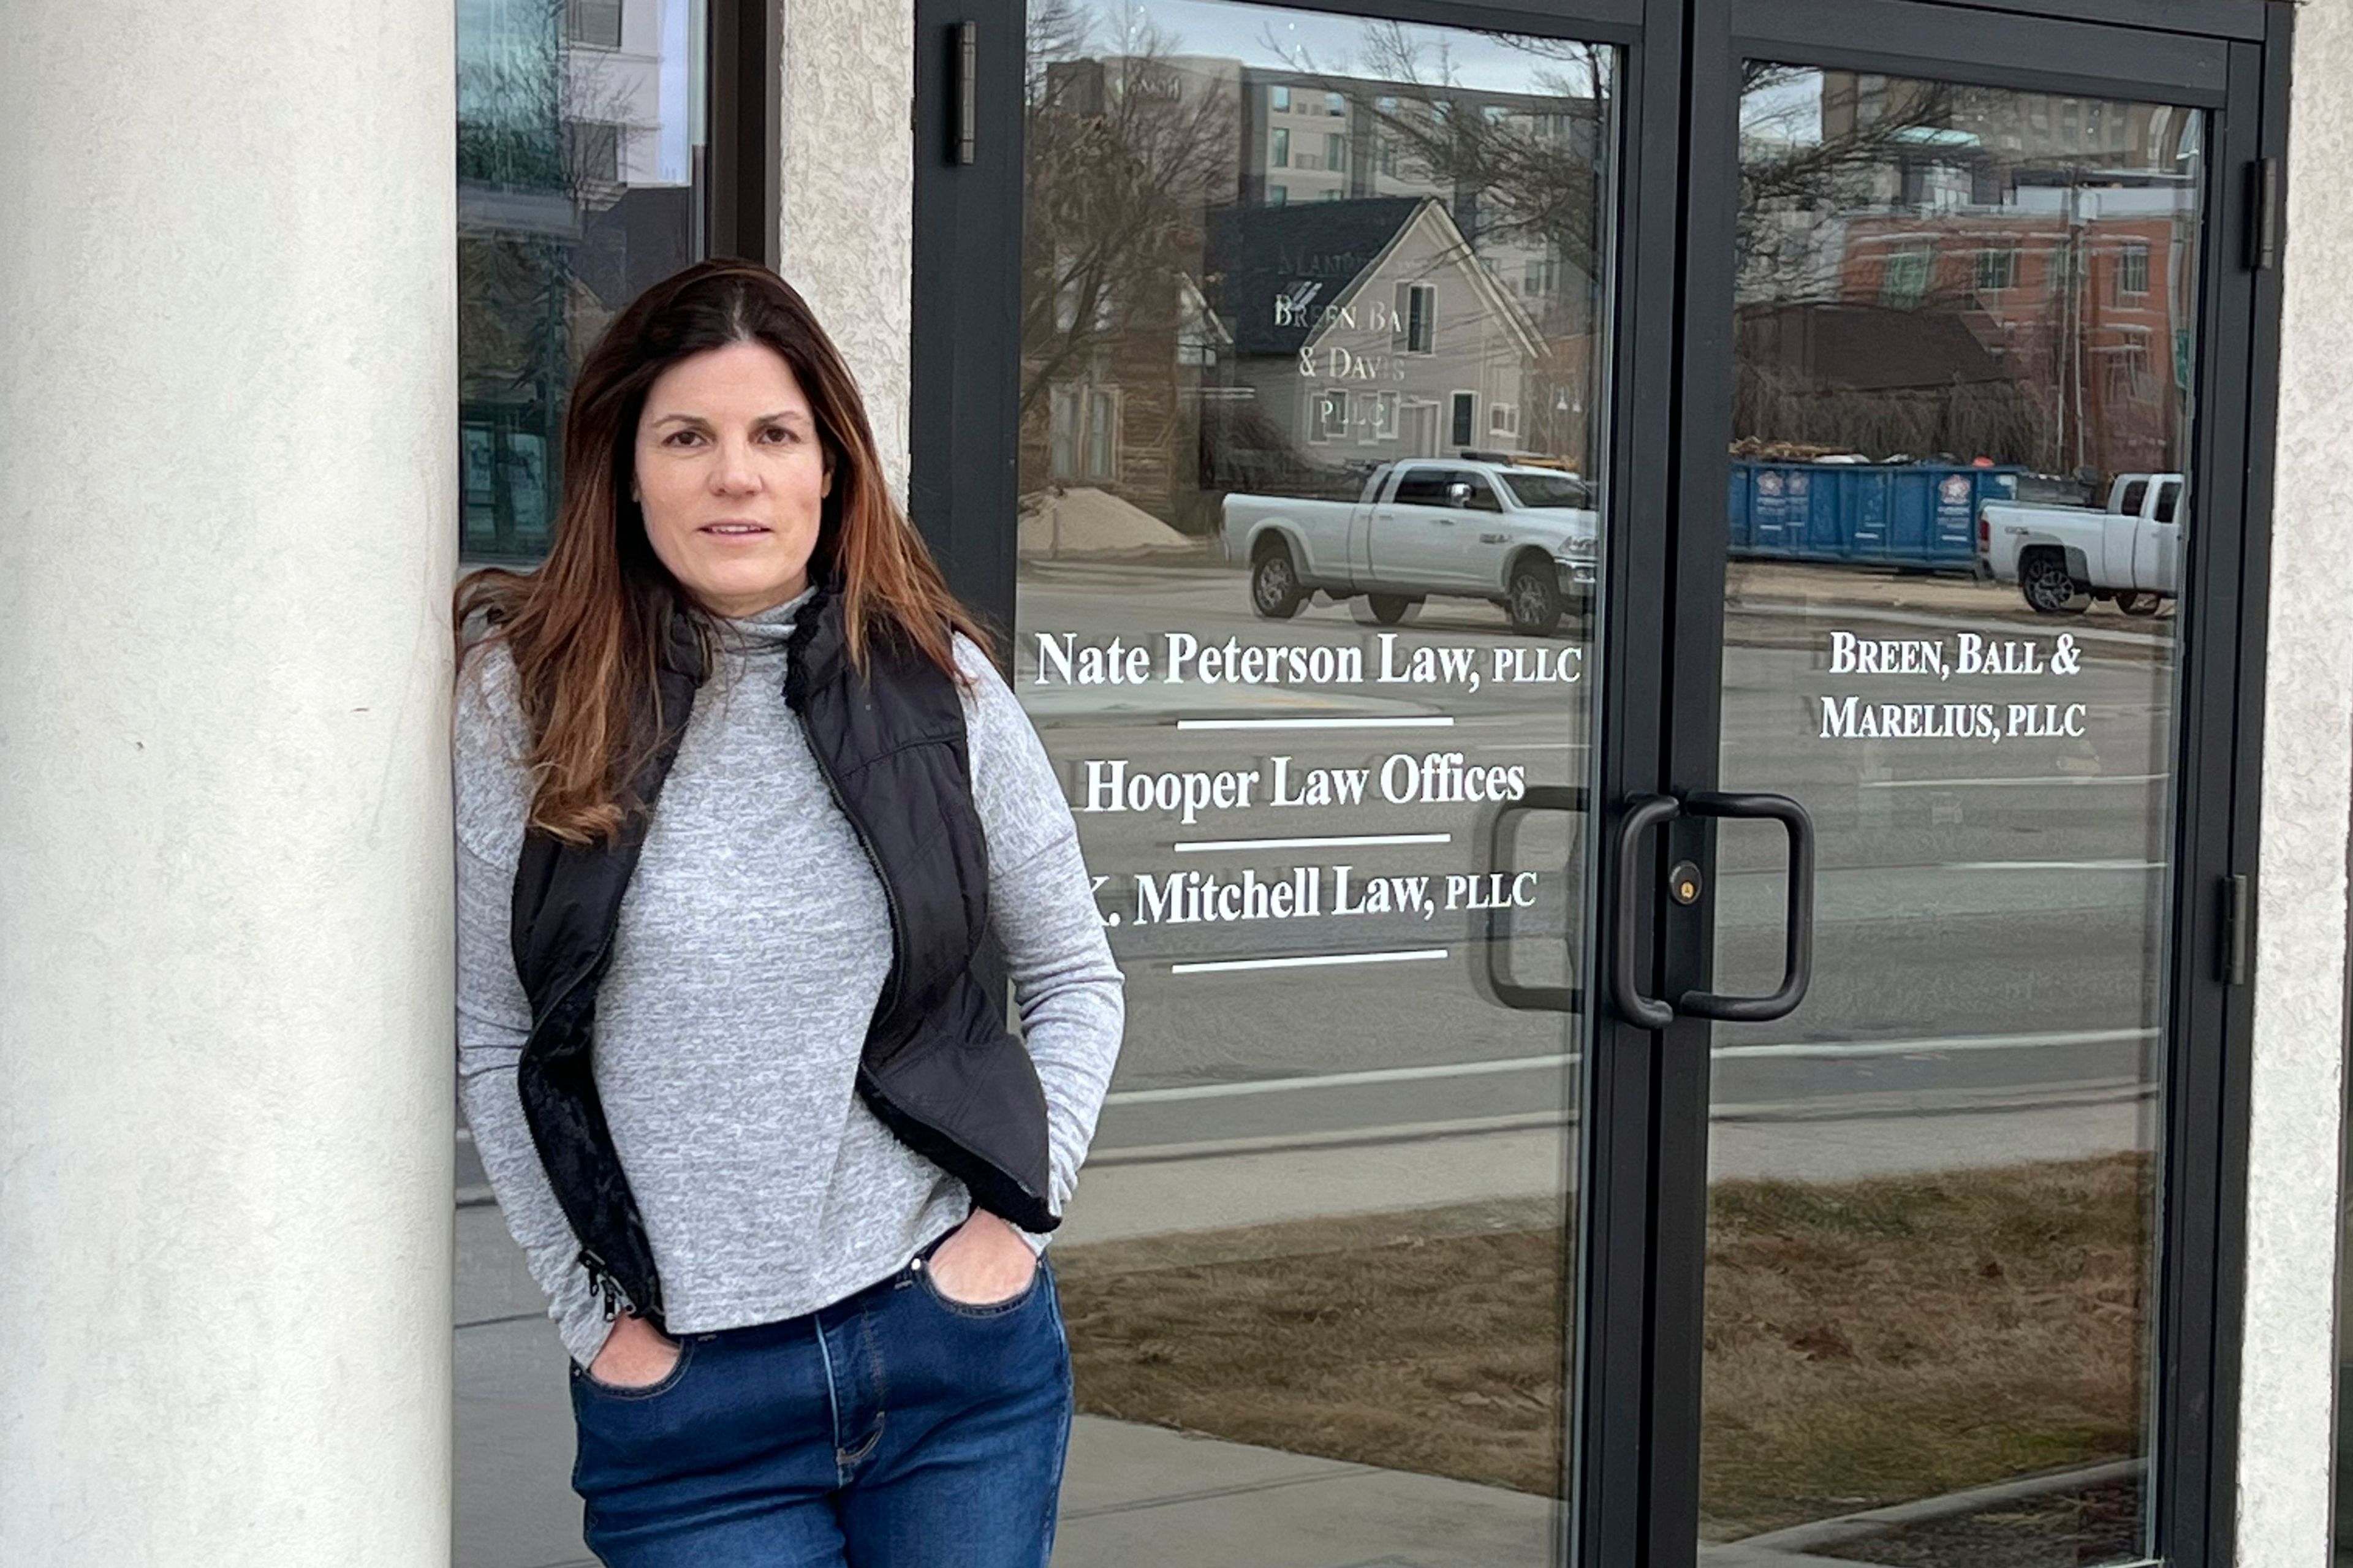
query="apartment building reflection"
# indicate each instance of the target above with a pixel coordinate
(580, 181)
(1975, 274)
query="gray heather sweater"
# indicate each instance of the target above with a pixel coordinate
(751, 948)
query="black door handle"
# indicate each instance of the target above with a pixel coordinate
(1496, 969)
(1797, 926)
(1646, 812)
(1643, 813)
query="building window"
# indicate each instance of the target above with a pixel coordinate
(1870, 99)
(1335, 150)
(1334, 103)
(2128, 375)
(2132, 270)
(579, 185)
(1278, 195)
(1417, 318)
(1466, 420)
(1278, 100)
(1504, 419)
(1382, 422)
(594, 151)
(1906, 282)
(1385, 155)
(595, 24)
(1082, 433)
(1997, 268)
(1331, 417)
(1102, 434)
(1334, 195)
(1062, 445)
(1279, 152)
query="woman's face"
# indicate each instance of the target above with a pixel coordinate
(731, 475)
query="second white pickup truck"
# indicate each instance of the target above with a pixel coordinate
(1521, 538)
(2062, 557)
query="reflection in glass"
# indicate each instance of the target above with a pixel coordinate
(1312, 348)
(580, 181)
(1964, 350)
(580, 170)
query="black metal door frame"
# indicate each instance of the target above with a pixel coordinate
(1643, 1185)
(2227, 60)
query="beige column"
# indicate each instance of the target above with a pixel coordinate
(849, 199)
(2289, 1359)
(227, 480)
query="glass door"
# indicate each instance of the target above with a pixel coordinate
(1641, 602)
(1949, 460)
(1313, 434)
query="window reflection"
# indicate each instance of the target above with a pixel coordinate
(1311, 347)
(1961, 420)
(580, 181)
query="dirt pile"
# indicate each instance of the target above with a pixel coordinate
(1057, 522)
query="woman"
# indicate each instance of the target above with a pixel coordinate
(745, 818)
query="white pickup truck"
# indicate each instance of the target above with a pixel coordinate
(1521, 537)
(2062, 557)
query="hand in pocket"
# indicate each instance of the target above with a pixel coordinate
(636, 1355)
(984, 1261)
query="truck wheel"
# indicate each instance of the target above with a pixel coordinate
(2137, 604)
(1275, 593)
(1390, 608)
(1532, 598)
(2042, 580)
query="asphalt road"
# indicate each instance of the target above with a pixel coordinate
(1988, 910)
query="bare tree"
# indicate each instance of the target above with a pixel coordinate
(1124, 151)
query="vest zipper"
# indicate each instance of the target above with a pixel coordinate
(607, 1288)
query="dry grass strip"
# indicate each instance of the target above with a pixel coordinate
(1868, 1342)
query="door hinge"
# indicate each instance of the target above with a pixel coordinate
(966, 142)
(2235, 910)
(2262, 214)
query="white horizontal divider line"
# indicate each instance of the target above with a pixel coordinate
(1824, 1050)
(1312, 961)
(1333, 841)
(2060, 780)
(1439, 722)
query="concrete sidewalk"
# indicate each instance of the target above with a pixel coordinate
(1133, 1494)
(1143, 1495)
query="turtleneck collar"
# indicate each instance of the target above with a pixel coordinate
(767, 631)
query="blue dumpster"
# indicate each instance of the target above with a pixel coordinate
(1875, 514)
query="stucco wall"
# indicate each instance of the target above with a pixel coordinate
(850, 192)
(2292, 1179)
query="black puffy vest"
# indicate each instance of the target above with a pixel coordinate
(939, 1067)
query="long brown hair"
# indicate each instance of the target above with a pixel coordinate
(586, 628)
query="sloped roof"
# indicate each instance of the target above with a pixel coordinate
(1867, 347)
(1313, 251)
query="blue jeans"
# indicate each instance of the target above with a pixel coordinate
(894, 1429)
